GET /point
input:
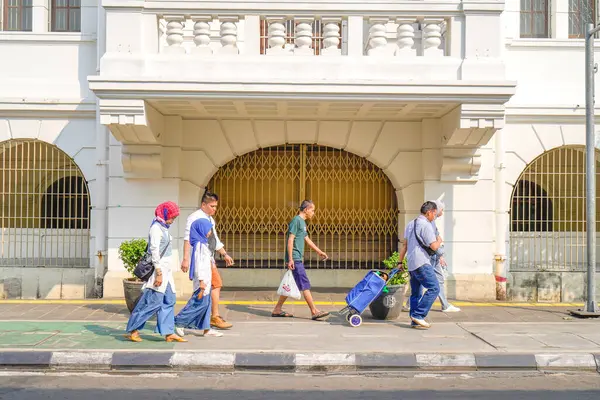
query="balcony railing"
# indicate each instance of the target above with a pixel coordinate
(208, 35)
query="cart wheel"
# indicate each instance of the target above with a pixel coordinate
(348, 317)
(355, 321)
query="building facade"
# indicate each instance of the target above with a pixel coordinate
(109, 107)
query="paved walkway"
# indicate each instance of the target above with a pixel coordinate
(479, 328)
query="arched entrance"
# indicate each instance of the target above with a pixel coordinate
(548, 214)
(356, 222)
(44, 203)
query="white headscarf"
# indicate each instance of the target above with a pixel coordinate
(440, 206)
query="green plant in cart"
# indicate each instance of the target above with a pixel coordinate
(401, 277)
(130, 252)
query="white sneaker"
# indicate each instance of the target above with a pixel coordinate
(213, 333)
(451, 308)
(179, 331)
(421, 322)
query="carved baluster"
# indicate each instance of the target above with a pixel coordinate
(432, 37)
(229, 35)
(276, 32)
(331, 36)
(304, 36)
(377, 36)
(406, 37)
(175, 24)
(202, 34)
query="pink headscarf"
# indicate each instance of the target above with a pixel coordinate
(166, 211)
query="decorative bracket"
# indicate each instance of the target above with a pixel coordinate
(132, 121)
(464, 131)
(142, 161)
(460, 164)
(139, 127)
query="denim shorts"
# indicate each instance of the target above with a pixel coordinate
(300, 276)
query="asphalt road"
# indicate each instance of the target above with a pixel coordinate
(25, 386)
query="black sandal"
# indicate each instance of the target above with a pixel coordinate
(320, 315)
(282, 314)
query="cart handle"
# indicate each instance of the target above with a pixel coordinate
(392, 273)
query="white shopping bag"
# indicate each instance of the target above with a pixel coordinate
(288, 286)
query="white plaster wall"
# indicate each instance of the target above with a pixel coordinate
(49, 65)
(550, 71)
(548, 74)
(45, 68)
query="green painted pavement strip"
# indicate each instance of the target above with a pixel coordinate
(76, 335)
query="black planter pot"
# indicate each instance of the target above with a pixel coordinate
(388, 306)
(133, 292)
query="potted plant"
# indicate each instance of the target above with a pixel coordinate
(388, 305)
(130, 252)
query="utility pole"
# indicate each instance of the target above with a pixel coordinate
(591, 309)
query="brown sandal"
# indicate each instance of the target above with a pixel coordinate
(175, 338)
(134, 336)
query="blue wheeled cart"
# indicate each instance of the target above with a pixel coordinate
(363, 294)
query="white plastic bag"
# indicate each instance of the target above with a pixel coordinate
(288, 286)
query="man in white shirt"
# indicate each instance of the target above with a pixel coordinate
(208, 208)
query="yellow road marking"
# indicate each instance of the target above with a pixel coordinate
(265, 303)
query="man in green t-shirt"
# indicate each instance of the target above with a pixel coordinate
(296, 237)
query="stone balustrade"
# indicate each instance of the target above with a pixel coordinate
(279, 35)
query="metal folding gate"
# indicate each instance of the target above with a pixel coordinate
(548, 216)
(44, 207)
(356, 221)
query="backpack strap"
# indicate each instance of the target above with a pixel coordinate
(428, 249)
(162, 253)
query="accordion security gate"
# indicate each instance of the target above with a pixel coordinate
(356, 220)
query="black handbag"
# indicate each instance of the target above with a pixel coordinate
(145, 267)
(428, 249)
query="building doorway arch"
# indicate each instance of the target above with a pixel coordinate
(548, 213)
(356, 221)
(45, 207)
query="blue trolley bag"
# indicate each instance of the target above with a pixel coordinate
(365, 291)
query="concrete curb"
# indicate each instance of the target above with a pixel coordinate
(103, 360)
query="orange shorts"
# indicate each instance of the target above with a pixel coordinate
(216, 282)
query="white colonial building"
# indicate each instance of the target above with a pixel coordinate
(109, 107)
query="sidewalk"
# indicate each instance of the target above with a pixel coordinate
(89, 335)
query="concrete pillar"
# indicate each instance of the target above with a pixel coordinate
(355, 36)
(559, 19)
(40, 16)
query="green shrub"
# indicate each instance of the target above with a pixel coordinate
(401, 277)
(130, 252)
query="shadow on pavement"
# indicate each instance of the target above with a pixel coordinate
(109, 308)
(119, 335)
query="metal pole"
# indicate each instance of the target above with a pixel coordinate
(590, 162)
